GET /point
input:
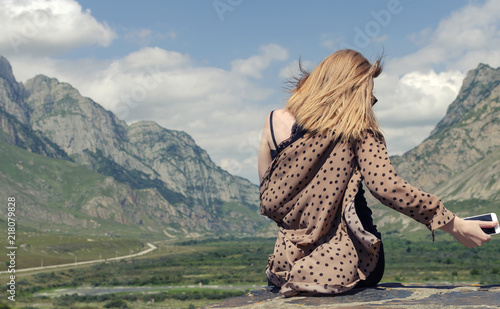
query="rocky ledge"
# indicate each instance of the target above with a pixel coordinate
(387, 295)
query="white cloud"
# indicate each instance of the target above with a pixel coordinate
(224, 110)
(420, 38)
(468, 36)
(254, 65)
(221, 109)
(415, 90)
(332, 42)
(141, 36)
(48, 27)
(410, 106)
(170, 88)
(145, 36)
(153, 56)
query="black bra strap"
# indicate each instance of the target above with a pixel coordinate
(272, 131)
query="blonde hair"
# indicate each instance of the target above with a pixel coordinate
(336, 97)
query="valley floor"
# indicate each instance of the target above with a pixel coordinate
(196, 273)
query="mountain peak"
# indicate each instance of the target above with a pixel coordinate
(147, 124)
(476, 86)
(12, 93)
(482, 73)
(481, 66)
(43, 81)
(6, 71)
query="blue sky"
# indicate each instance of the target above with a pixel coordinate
(216, 68)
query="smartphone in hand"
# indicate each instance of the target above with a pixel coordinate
(487, 217)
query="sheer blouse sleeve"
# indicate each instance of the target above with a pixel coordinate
(392, 191)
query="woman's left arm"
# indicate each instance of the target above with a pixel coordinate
(384, 183)
(392, 191)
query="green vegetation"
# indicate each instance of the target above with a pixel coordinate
(472, 207)
(36, 250)
(179, 273)
(59, 196)
(209, 262)
(58, 189)
(441, 261)
(227, 208)
(197, 272)
(120, 300)
(394, 224)
(37, 172)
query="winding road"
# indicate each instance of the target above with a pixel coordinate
(150, 249)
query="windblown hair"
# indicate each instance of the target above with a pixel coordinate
(337, 96)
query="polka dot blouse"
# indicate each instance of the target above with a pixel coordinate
(309, 191)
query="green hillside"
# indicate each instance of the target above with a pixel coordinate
(57, 189)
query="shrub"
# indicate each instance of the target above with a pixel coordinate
(117, 303)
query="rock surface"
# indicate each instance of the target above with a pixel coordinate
(387, 295)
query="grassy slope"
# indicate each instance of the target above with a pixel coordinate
(36, 182)
(52, 187)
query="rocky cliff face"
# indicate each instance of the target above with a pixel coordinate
(12, 93)
(16, 133)
(185, 167)
(144, 156)
(95, 137)
(463, 145)
(476, 87)
(15, 117)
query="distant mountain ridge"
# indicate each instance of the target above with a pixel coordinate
(460, 160)
(142, 179)
(476, 87)
(51, 118)
(468, 134)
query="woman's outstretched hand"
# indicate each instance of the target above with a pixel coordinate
(468, 232)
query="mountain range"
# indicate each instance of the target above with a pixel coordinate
(143, 175)
(75, 167)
